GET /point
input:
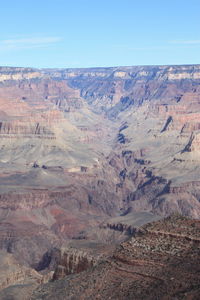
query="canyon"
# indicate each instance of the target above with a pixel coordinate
(87, 157)
(161, 261)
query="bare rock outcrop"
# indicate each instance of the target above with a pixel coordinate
(148, 266)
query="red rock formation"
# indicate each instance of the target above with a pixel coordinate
(78, 146)
(147, 266)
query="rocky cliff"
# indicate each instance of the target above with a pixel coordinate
(78, 256)
(147, 266)
(79, 146)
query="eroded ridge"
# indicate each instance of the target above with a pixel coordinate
(158, 263)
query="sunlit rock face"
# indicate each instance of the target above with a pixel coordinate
(80, 146)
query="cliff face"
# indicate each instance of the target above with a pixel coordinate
(78, 256)
(12, 272)
(78, 146)
(16, 280)
(147, 266)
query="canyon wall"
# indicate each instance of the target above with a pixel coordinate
(79, 146)
(147, 266)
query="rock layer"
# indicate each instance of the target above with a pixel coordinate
(148, 266)
(78, 146)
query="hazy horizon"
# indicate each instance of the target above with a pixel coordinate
(107, 67)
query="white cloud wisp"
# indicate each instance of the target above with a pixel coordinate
(28, 43)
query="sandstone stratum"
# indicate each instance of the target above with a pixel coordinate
(87, 157)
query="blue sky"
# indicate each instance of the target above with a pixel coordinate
(90, 33)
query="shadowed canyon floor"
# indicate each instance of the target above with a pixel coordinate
(84, 153)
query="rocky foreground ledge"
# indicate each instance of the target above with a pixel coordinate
(160, 262)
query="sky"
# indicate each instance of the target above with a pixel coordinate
(99, 33)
